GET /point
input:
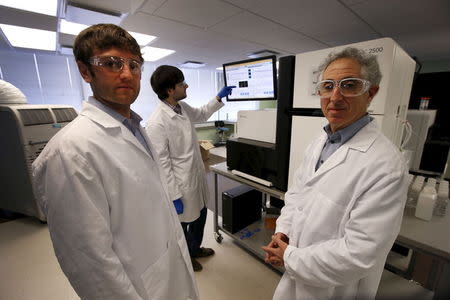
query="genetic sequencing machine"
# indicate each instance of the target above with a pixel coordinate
(25, 129)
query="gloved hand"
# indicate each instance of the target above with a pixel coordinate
(179, 207)
(225, 91)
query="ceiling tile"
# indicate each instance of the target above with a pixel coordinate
(201, 13)
(28, 19)
(327, 21)
(432, 45)
(255, 29)
(394, 17)
(150, 6)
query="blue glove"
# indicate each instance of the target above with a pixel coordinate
(225, 91)
(179, 207)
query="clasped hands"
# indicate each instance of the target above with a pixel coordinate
(275, 249)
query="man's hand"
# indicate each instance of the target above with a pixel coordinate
(275, 249)
(225, 91)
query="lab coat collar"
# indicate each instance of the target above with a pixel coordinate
(108, 122)
(361, 141)
(99, 116)
(168, 110)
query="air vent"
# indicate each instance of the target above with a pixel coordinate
(192, 64)
(35, 116)
(262, 53)
(64, 114)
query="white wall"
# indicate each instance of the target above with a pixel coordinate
(54, 79)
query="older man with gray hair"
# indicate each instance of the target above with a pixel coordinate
(344, 208)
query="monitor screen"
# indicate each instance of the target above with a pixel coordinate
(255, 79)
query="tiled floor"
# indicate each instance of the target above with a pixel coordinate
(29, 269)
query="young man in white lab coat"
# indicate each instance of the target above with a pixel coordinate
(114, 229)
(344, 209)
(171, 129)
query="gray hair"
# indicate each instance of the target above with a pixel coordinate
(370, 69)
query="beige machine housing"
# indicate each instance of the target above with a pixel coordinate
(25, 129)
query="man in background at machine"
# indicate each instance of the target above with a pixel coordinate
(344, 208)
(172, 131)
(114, 231)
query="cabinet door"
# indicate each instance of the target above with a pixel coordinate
(304, 130)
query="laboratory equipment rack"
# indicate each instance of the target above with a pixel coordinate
(255, 235)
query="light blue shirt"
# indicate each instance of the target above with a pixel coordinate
(133, 124)
(338, 138)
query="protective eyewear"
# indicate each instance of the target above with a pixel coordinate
(348, 87)
(115, 64)
(182, 84)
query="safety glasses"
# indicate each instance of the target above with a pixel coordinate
(348, 87)
(115, 64)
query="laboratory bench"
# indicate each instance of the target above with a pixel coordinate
(431, 238)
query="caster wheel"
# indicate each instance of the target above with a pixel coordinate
(218, 237)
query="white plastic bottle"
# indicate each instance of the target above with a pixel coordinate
(427, 201)
(442, 199)
(414, 191)
(409, 197)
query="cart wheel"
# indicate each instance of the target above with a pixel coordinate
(218, 237)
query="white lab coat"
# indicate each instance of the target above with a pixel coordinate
(176, 142)
(342, 219)
(114, 230)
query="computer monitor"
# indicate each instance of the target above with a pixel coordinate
(255, 79)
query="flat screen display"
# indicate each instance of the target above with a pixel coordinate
(255, 79)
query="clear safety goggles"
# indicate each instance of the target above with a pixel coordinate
(115, 64)
(348, 87)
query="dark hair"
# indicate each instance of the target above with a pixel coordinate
(103, 37)
(165, 77)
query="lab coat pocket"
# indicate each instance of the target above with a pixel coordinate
(324, 218)
(156, 277)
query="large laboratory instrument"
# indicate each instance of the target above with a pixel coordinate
(299, 117)
(25, 129)
(389, 106)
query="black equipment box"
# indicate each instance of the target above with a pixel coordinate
(241, 206)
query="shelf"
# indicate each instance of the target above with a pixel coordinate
(252, 238)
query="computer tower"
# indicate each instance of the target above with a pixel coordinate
(241, 206)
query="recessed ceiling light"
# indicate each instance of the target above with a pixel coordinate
(71, 27)
(192, 64)
(75, 28)
(153, 54)
(24, 37)
(142, 39)
(219, 68)
(46, 7)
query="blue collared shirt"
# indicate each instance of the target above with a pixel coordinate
(338, 138)
(133, 124)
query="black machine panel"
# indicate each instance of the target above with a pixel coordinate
(265, 160)
(241, 206)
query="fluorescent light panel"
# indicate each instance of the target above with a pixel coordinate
(154, 54)
(142, 39)
(24, 37)
(71, 27)
(46, 7)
